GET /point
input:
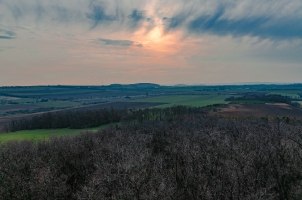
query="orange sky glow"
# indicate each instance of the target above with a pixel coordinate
(166, 42)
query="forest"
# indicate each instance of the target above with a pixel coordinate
(94, 118)
(172, 153)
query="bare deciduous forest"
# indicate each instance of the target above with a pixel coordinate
(150, 100)
(184, 154)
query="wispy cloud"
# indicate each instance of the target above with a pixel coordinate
(223, 22)
(98, 14)
(8, 35)
(137, 15)
(125, 43)
(260, 18)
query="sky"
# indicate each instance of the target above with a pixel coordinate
(92, 42)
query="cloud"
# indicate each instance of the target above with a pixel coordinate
(137, 15)
(277, 20)
(125, 43)
(7, 34)
(263, 27)
(273, 20)
(6, 37)
(98, 15)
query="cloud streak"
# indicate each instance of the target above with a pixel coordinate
(8, 35)
(220, 22)
(123, 43)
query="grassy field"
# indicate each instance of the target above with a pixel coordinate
(23, 100)
(248, 102)
(58, 104)
(45, 134)
(186, 100)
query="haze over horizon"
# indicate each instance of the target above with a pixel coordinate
(92, 42)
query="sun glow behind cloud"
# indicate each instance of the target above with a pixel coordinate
(164, 41)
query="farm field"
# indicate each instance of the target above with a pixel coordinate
(19, 102)
(45, 134)
(185, 100)
(58, 104)
(13, 107)
(261, 110)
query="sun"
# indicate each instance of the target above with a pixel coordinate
(156, 41)
(155, 34)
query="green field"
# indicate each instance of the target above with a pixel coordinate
(45, 134)
(24, 100)
(247, 102)
(185, 100)
(58, 104)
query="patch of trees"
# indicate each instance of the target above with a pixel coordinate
(271, 98)
(95, 118)
(44, 100)
(67, 119)
(193, 157)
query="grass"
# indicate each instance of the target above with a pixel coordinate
(52, 92)
(248, 102)
(45, 134)
(185, 100)
(58, 104)
(24, 100)
(55, 104)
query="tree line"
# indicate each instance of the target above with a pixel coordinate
(67, 119)
(94, 118)
(271, 98)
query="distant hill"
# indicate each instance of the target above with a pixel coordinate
(135, 85)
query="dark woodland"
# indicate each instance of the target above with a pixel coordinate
(175, 153)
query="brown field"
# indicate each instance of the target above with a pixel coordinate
(261, 110)
(116, 105)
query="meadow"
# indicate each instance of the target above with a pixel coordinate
(58, 104)
(185, 100)
(46, 134)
